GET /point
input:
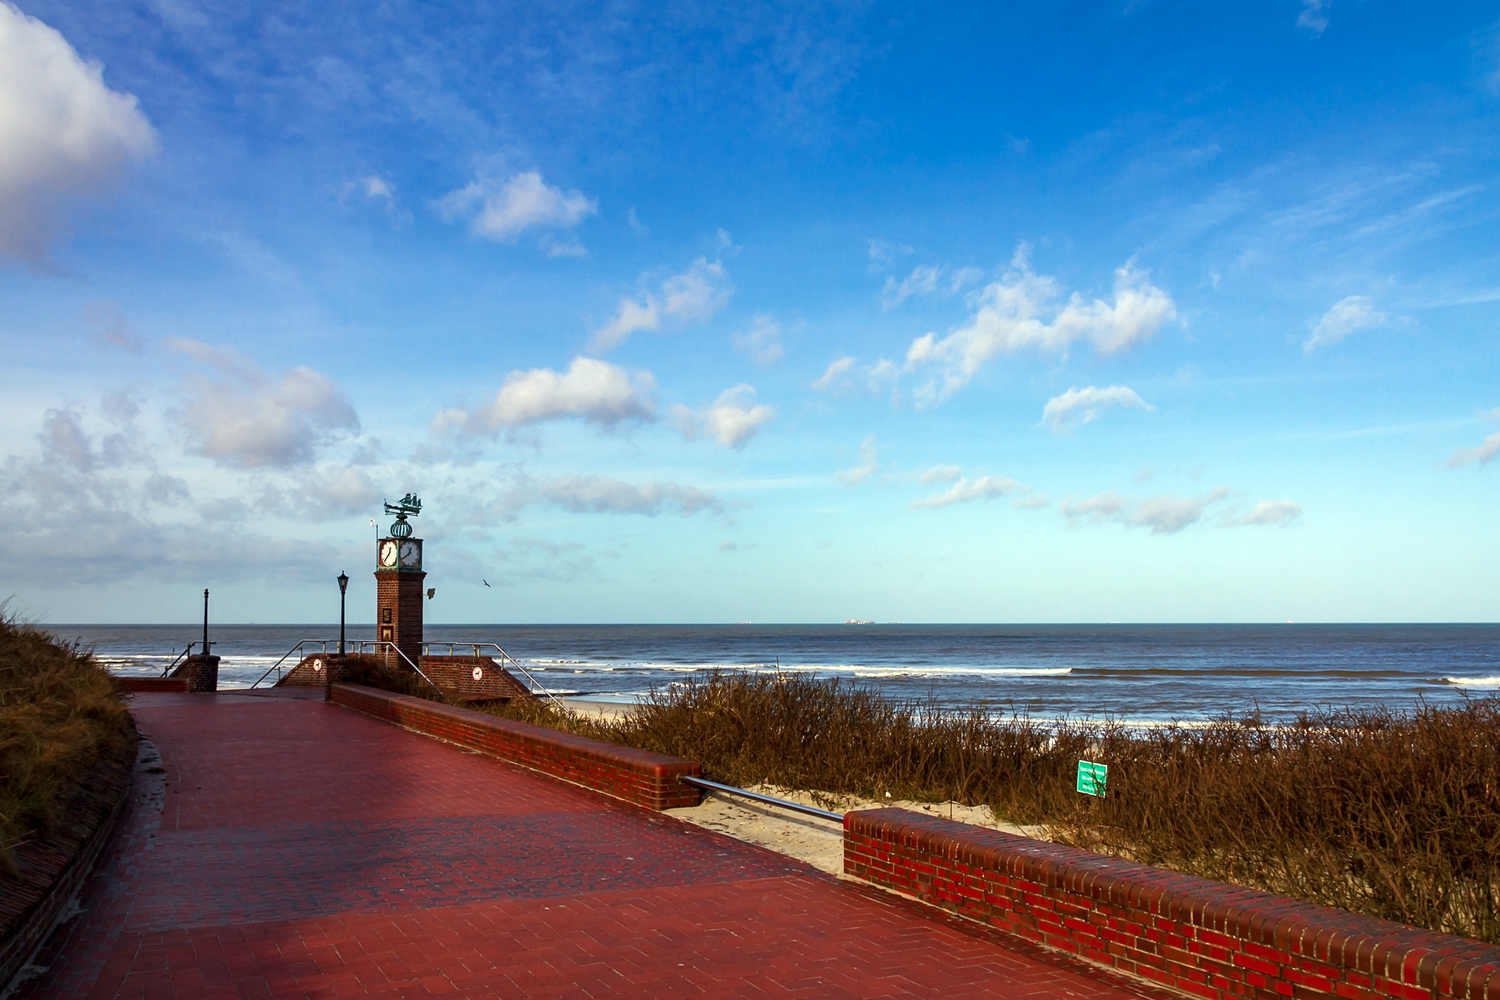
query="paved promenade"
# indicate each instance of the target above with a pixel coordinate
(292, 848)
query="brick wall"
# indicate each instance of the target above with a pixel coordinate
(1192, 935)
(178, 685)
(455, 675)
(637, 776)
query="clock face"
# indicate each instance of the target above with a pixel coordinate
(388, 550)
(411, 554)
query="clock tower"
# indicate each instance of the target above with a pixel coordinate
(398, 583)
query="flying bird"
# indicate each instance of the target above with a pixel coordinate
(486, 583)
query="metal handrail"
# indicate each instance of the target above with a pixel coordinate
(769, 800)
(178, 658)
(276, 666)
(475, 646)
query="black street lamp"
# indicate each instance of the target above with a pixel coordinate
(343, 588)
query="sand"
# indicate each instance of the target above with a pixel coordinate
(818, 842)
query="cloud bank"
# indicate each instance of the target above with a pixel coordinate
(64, 135)
(249, 420)
(603, 495)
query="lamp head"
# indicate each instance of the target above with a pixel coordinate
(343, 582)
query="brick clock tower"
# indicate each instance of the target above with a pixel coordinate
(398, 582)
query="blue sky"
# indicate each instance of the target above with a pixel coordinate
(1066, 312)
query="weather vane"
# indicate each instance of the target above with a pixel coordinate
(407, 506)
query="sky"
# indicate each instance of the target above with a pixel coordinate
(1138, 311)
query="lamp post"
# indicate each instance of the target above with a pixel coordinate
(343, 588)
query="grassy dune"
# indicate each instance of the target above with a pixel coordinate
(60, 715)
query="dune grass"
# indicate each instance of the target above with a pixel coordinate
(60, 716)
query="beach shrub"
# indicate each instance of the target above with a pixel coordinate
(60, 716)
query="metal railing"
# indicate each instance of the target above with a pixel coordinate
(179, 658)
(300, 643)
(769, 800)
(504, 656)
(361, 646)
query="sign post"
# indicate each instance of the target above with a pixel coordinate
(1091, 778)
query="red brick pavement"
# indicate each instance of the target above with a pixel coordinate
(292, 848)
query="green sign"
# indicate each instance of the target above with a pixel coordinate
(1091, 777)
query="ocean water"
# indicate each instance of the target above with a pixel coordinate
(1131, 672)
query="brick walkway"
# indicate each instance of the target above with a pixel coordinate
(292, 848)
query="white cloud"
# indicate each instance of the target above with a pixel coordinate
(837, 368)
(1162, 515)
(1267, 512)
(731, 420)
(378, 187)
(695, 294)
(595, 391)
(572, 248)
(1314, 16)
(1166, 515)
(868, 459)
(1083, 405)
(503, 210)
(761, 343)
(1481, 455)
(885, 252)
(1348, 315)
(964, 490)
(923, 280)
(840, 377)
(63, 133)
(248, 420)
(1021, 311)
(941, 474)
(926, 279)
(602, 495)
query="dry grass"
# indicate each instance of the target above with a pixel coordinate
(1396, 815)
(60, 715)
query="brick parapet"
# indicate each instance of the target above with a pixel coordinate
(1193, 935)
(131, 685)
(640, 777)
(201, 672)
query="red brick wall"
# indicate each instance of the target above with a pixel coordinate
(1195, 936)
(637, 776)
(172, 684)
(455, 675)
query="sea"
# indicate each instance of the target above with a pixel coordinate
(1144, 674)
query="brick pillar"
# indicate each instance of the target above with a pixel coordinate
(202, 673)
(398, 609)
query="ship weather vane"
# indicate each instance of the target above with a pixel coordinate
(407, 506)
